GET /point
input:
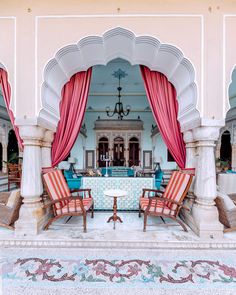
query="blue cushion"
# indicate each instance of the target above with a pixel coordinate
(73, 181)
(158, 178)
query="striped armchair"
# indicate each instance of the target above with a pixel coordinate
(63, 203)
(168, 203)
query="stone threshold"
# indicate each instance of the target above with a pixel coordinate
(72, 243)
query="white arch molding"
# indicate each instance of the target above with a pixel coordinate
(120, 43)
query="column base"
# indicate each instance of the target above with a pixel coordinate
(31, 220)
(204, 221)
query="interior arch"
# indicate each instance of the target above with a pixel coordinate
(120, 43)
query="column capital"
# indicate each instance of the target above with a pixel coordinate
(188, 136)
(209, 133)
(48, 138)
(31, 135)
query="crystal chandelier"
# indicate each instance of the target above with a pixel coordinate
(119, 109)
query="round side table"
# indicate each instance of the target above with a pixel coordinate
(115, 193)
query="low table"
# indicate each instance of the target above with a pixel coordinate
(115, 193)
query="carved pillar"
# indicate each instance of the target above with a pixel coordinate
(217, 151)
(204, 212)
(4, 157)
(32, 215)
(190, 163)
(233, 164)
(47, 149)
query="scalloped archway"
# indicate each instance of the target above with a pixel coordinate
(120, 43)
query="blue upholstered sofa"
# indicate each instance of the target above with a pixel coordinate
(73, 181)
(158, 178)
(118, 171)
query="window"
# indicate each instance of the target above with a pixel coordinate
(170, 157)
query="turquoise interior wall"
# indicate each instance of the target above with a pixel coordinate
(160, 150)
(103, 93)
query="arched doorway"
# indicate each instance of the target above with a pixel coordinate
(226, 148)
(134, 152)
(137, 50)
(12, 148)
(103, 151)
(118, 152)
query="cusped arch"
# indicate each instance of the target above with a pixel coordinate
(121, 43)
(2, 66)
(230, 113)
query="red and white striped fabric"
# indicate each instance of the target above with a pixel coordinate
(174, 191)
(75, 206)
(57, 187)
(176, 187)
(156, 207)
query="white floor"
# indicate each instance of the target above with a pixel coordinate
(130, 231)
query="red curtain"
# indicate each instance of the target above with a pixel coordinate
(6, 90)
(163, 101)
(72, 109)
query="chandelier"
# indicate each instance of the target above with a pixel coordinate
(119, 109)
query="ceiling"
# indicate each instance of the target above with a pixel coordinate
(104, 82)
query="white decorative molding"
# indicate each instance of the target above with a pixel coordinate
(2, 66)
(121, 43)
(225, 244)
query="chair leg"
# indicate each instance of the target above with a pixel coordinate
(68, 219)
(49, 222)
(144, 222)
(182, 224)
(85, 225)
(162, 219)
(139, 213)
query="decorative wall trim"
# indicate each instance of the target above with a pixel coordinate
(11, 79)
(122, 43)
(118, 124)
(225, 87)
(41, 243)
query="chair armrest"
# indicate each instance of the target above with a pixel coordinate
(83, 190)
(165, 200)
(146, 190)
(61, 200)
(58, 201)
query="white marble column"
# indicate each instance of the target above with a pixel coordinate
(4, 157)
(233, 164)
(204, 212)
(47, 149)
(217, 149)
(32, 215)
(190, 163)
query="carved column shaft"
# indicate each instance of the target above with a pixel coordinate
(190, 163)
(47, 149)
(233, 156)
(31, 215)
(204, 212)
(4, 157)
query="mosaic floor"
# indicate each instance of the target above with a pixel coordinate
(97, 271)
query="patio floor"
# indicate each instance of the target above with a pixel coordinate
(128, 234)
(104, 261)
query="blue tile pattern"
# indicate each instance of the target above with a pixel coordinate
(133, 186)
